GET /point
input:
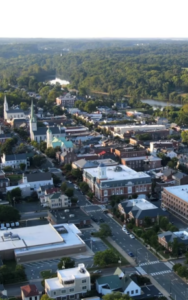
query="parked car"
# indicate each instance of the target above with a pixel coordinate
(132, 236)
(131, 254)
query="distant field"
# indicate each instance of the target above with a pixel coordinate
(184, 94)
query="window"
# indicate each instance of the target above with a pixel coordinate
(128, 293)
(84, 287)
(105, 193)
(35, 297)
(30, 298)
(63, 291)
(132, 292)
(71, 290)
(84, 281)
(54, 293)
(136, 292)
(71, 296)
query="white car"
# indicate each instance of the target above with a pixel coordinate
(124, 229)
(75, 186)
(132, 236)
(69, 181)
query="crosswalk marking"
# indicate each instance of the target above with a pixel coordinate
(149, 263)
(160, 273)
(169, 264)
(141, 271)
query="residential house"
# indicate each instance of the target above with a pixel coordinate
(55, 200)
(180, 178)
(30, 292)
(139, 209)
(14, 160)
(117, 282)
(167, 238)
(128, 152)
(4, 182)
(69, 284)
(35, 180)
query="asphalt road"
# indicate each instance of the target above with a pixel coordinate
(147, 262)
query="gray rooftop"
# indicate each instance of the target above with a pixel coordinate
(38, 176)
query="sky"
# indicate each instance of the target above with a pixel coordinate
(94, 18)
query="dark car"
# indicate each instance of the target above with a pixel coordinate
(131, 254)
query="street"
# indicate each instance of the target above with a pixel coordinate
(145, 261)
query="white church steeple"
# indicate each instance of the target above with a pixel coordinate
(33, 120)
(49, 137)
(5, 107)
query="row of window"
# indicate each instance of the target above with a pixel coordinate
(132, 292)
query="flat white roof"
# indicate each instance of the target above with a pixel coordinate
(150, 158)
(112, 174)
(43, 237)
(142, 204)
(66, 274)
(182, 234)
(180, 191)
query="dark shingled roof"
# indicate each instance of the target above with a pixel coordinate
(38, 176)
(43, 130)
(15, 156)
(15, 111)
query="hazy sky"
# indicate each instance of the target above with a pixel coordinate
(94, 18)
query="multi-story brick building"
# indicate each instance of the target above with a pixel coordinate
(142, 163)
(67, 100)
(175, 200)
(119, 180)
(129, 152)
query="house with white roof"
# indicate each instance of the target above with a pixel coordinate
(69, 284)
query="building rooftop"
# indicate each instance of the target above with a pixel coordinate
(180, 191)
(38, 176)
(29, 290)
(142, 204)
(119, 172)
(83, 163)
(67, 274)
(149, 158)
(30, 239)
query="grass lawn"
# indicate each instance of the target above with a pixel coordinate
(47, 274)
(15, 177)
(123, 260)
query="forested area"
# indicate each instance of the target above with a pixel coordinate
(156, 70)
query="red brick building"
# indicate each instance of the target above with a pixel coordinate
(116, 180)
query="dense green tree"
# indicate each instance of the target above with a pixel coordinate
(105, 258)
(9, 214)
(104, 230)
(69, 192)
(77, 174)
(66, 262)
(22, 166)
(38, 160)
(64, 187)
(84, 187)
(50, 152)
(115, 296)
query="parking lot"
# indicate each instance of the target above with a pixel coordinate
(95, 244)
